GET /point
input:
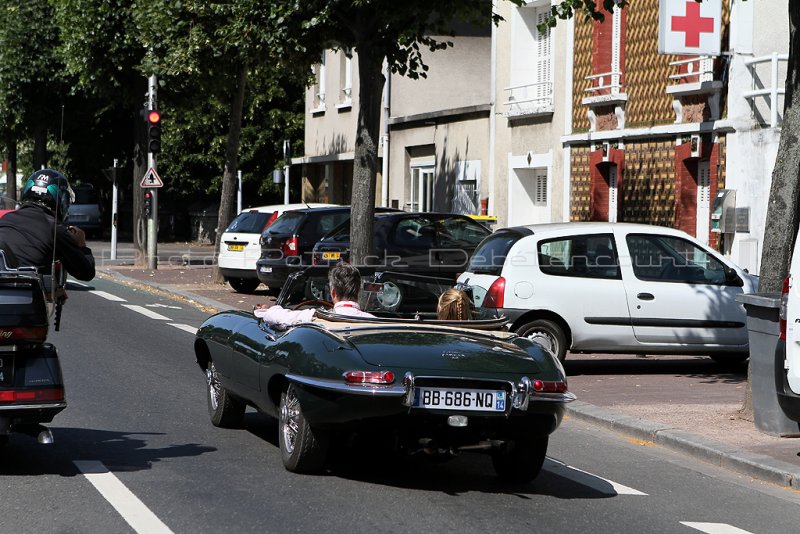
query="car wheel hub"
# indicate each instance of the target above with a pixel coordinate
(290, 412)
(213, 386)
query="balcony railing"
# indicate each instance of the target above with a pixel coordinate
(695, 70)
(529, 99)
(606, 83)
(774, 88)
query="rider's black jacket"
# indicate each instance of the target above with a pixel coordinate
(26, 235)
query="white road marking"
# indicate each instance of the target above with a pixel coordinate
(184, 327)
(163, 306)
(147, 313)
(107, 296)
(132, 510)
(73, 281)
(588, 479)
(715, 528)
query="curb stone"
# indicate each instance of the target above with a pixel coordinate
(203, 301)
(755, 465)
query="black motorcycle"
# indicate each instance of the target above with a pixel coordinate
(31, 385)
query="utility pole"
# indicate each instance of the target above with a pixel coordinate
(287, 157)
(114, 211)
(239, 192)
(152, 221)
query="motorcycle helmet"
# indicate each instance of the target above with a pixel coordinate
(50, 189)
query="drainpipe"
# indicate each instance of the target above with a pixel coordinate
(492, 121)
(387, 92)
(566, 152)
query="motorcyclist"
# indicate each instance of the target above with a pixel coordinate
(36, 234)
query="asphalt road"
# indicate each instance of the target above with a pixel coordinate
(135, 451)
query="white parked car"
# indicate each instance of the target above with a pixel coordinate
(613, 288)
(239, 248)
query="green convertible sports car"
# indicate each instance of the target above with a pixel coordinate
(440, 387)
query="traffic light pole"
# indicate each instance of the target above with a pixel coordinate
(152, 220)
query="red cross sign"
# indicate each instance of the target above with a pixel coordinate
(687, 27)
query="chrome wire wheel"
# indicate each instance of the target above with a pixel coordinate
(290, 424)
(225, 411)
(303, 448)
(213, 386)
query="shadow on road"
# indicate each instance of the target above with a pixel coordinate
(119, 451)
(702, 369)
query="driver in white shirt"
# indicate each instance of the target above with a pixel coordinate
(345, 286)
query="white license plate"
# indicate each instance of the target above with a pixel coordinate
(476, 400)
(265, 269)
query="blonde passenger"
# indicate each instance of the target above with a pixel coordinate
(454, 305)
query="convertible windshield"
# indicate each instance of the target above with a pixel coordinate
(384, 294)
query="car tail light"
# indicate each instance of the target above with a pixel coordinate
(31, 334)
(290, 247)
(544, 386)
(784, 303)
(495, 296)
(32, 395)
(270, 220)
(369, 377)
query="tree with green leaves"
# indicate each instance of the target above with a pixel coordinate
(101, 50)
(32, 80)
(208, 48)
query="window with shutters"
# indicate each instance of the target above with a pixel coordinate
(345, 80)
(531, 89)
(319, 85)
(540, 191)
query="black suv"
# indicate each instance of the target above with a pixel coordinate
(430, 244)
(286, 244)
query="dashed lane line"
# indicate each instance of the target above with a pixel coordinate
(107, 296)
(128, 505)
(185, 327)
(715, 528)
(600, 484)
(147, 313)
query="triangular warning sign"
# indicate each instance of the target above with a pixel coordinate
(151, 179)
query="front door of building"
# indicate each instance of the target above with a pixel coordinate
(422, 189)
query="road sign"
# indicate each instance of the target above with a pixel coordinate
(687, 27)
(151, 179)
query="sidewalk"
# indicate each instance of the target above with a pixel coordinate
(694, 415)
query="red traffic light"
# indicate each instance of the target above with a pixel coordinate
(153, 117)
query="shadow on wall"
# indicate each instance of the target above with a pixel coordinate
(454, 193)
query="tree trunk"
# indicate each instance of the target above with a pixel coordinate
(11, 171)
(365, 164)
(784, 195)
(226, 203)
(139, 169)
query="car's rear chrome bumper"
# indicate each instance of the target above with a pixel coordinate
(522, 393)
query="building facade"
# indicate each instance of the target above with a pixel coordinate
(530, 114)
(586, 121)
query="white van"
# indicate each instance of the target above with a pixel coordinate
(788, 384)
(239, 247)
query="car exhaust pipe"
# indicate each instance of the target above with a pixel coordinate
(45, 437)
(483, 445)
